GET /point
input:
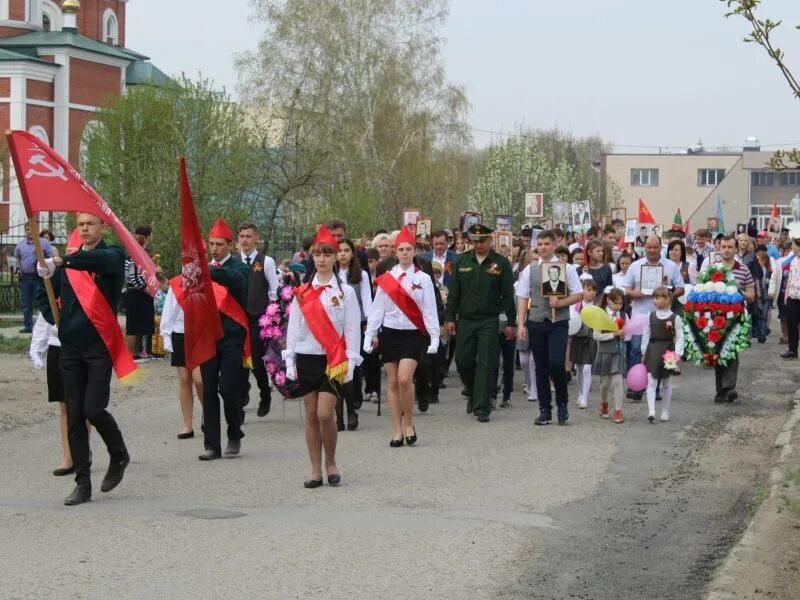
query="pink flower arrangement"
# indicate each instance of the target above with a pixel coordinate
(273, 324)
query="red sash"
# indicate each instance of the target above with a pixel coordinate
(392, 288)
(100, 315)
(321, 327)
(228, 306)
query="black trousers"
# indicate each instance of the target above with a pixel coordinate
(372, 373)
(222, 377)
(548, 343)
(259, 370)
(793, 323)
(87, 390)
(726, 376)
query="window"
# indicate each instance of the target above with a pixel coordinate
(790, 178)
(51, 16)
(762, 178)
(45, 23)
(648, 177)
(111, 28)
(710, 177)
(40, 133)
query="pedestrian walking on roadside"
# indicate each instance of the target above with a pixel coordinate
(86, 358)
(582, 347)
(791, 300)
(25, 255)
(663, 333)
(322, 352)
(404, 312)
(610, 361)
(547, 327)
(480, 288)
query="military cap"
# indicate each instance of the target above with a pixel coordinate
(479, 231)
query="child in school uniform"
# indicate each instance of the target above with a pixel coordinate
(610, 361)
(582, 347)
(663, 332)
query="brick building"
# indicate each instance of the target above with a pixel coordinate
(58, 64)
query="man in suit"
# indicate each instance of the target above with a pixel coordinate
(554, 286)
(441, 254)
(262, 286)
(222, 373)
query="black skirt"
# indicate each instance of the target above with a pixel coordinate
(311, 375)
(178, 358)
(397, 344)
(55, 383)
(139, 313)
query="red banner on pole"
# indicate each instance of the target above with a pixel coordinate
(49, 183)
(202, 325)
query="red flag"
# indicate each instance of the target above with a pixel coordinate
(49, 183)
(774, 213)
(687, 228)
(645, 218)
(202, 325)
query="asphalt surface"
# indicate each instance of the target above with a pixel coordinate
(497, 510)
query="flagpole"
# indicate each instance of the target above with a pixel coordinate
(48, 285)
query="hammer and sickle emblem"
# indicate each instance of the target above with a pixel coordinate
(41, 160)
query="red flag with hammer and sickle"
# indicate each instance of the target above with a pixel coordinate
(49, 183)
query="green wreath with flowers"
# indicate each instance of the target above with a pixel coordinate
(716, 324)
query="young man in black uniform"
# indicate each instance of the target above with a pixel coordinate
(262, 286)
(85, 362)
(222, 374)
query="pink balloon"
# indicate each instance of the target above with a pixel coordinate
(637, 378)
(636, 325)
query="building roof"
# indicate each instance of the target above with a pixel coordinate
(43, 39)
(9, 56)
(145, 73)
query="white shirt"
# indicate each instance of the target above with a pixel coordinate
(664, 315)
(171, 319)
(270, 271)
(385, 312)
(524, 282)
(43, 335)
(644, 306)
(364, 290)
(341, 307)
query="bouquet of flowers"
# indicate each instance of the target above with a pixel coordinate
(273, 324)
(670, 361)
(716, 325)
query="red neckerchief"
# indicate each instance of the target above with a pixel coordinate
(323, 330)
(398, 294)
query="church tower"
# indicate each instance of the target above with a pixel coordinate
(100, 20)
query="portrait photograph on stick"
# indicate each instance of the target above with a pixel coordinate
(534, 205)
(410, 216)
(619, 214)
(651, 277)
(424, 227)
(470, 219)
(503, 222)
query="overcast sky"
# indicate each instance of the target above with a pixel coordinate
(636, 72)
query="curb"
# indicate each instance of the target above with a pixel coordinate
(728, 570)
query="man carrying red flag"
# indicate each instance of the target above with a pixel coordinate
(88, 284)
(221, 374)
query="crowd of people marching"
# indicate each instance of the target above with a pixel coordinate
(325, 325)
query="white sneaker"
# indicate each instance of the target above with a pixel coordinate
(664, 416)
(581, 404)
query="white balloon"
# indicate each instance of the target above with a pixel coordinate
(687, 289)
(575, 323)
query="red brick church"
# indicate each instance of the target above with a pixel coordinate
(59, 61)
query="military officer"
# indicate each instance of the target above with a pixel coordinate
(480, 287)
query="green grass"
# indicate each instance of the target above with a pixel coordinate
(759, 496)
(792, 505)
(14, 345)
(794, 478)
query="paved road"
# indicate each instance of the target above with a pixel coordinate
(501, 510)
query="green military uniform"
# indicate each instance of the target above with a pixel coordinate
(478, 292)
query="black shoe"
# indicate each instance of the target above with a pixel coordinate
(352, 422)
(483, 418)
(433, 399)
(469, 407)
(762, 339)
(720, 398)
(25, 330)
(789, 355)
(412, 439)
(423, 405)
(186, 436)
(396, 443)
(79, 495)
(651, 418)
(263, 409)
(466, 393)
(115, 473)
(312, 484)
(563, 414)
(543, 419)
(733, 396)
(334, 479)
(210, 455)
(637, 397)
(233, 447)
(630, 394)
(339, 426)
(61, 471)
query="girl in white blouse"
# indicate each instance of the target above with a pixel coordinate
(404, 310)
(322, 351)
(350, 273)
